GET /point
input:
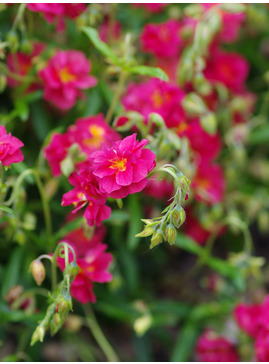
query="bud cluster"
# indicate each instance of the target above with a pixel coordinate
(165, 227)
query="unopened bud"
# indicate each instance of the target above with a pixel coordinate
(38, 335)
(73, 323)
(178, 216)
(156, 239)
(38, 271)
(148, 230)
(142, 324)
(193, 104)
(62, 306)
(209, 123)
(170, 234)
(156, 119)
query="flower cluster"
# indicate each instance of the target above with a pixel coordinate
(115, 172)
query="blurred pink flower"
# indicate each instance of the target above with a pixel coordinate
(22, 63)
(9, 148)
(247, 317)
(87, 193)
(66, 74)
(123, 168)
(157, 96)
(162, 40)
(93, 267)
(57, 11)
(159, 189)
(151, 7)
(212, 347)
(229, 68)
(262, 345)
(104, 30)
(209, 183)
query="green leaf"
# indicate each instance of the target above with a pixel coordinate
(149, 71)
(7, 210)
(185, 342)
(12, 272)
(135, 224)
(186, 243)
(100, 45)
(259, 135)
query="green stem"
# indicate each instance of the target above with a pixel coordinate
(19, 16)
(116, 97)
(99, 335)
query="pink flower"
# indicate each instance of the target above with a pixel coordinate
(93, 267)
(9, 148)
(157, 96)
(231, 69)
(163, 39)
(89, 133)
(231, 24)
(151, 7)
(205, 146)
(247, 317)
(57, 11)
(209, 183)
(87, 193)
(22, 63)
(262, 345)
(104, 30)
(123, 168)
(82, 242)
(212, 347)
(66, 74)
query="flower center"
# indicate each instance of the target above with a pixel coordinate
(157, 99)
(119, 164)
(97, 138)
(66, 76)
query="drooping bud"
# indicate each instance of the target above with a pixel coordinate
(38, 335)
(170, 234)
(178, 216)
(209, 123)
(62, 306)
(38, 271)
(156, 239)
(194, 105)
(148, 230)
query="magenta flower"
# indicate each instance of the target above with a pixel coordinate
(123, 168)
(88, 133)
(93, 267)
(229, 68)
(157, 96)
(262, 345)
(247, 317)
(87, 193)
(66, 74)
(212, 347)
(22, 63)
(163, 39)
(57, 12)
(209, 183)
(9, 148)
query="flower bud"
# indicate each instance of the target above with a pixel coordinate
(56, 323)
(170, 234)
(178, 216)
(62, 306)
(193, 104)
(156, 119)
(38, 335)
(209, 123)
(148, 230)
(142, 324)
(73, 323)
(156, 239)
(38, 271)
